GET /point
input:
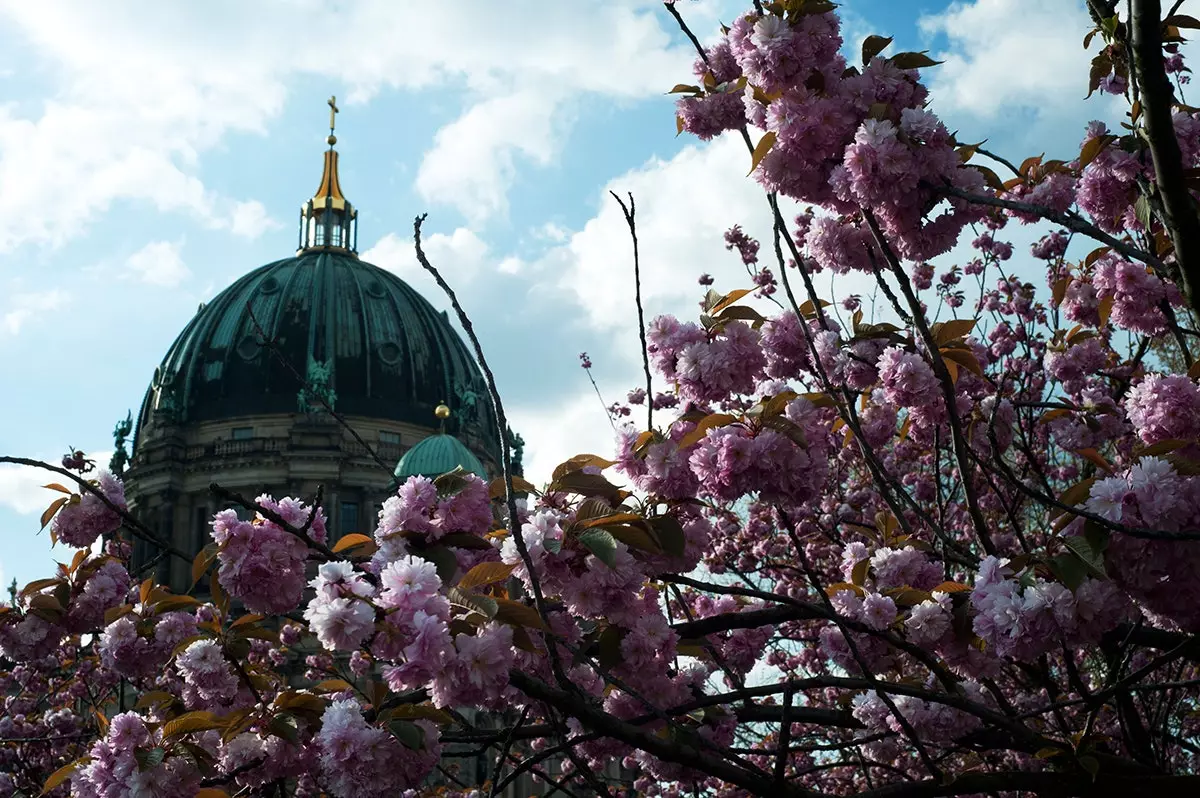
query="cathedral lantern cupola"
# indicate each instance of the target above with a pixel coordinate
(328, 220)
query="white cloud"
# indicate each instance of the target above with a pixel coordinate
(1003, 54)
(142, 89)
(159, 263)
(473, 159)
(555, 431)
(462, 257)
(21, 486)
(250, 220)
(684, 207)
(25, 307)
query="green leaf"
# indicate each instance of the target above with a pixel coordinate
(443, 559)
(1083, 549)
(601, 543)
(410, 734)
(1143, 212)
(873, 46)
(609, 645)
(284, 726)
(473, 602)
(149, 759)
(670, 534)
(1069, 570)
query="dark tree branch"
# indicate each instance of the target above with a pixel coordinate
(1179, 212)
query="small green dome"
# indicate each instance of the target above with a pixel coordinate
(437, 455)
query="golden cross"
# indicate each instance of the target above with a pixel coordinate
(333, 109)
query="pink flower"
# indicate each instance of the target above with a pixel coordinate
(79, 523)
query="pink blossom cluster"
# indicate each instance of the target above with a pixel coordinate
(208, 678)
(705, 367)
(262, 563)
(932, 721)
(115, 770)
(1164, 408)
(340, 614)
(80, 522)
(1023, 619)
(1163, 575)
(129, 648)
(417, 509)
(1135, 293)
(908, 380)
(105, 583)
(359, 760)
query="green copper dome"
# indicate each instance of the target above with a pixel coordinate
(343, 332)
(437, 455)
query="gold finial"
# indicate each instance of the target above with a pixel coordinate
(442, 411)
(333, 109)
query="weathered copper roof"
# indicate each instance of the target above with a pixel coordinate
(387, 353)
(437, 455)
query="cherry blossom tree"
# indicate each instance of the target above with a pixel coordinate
(953, 551)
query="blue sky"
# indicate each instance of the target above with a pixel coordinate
(151, 152)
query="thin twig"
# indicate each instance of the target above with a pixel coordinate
(630, 219)
(510, 493)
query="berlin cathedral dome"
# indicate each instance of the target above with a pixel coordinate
(316, 370)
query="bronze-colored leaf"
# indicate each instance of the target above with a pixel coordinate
(485, 573)
(947, 331)
(54, 507)
(419, 712)
(1182, 21)
(1093, 456)
(729, 299)
(246, 620)
(964, 358)
(635, 537)
(952, 587)
(859, 573)
(57, 487)
(789, 428)
(333, 686)
(192, 722)
(764, 146)
(1075, 495)
(711, 421)
(514, 613)
(909, 596)
(63, 773)
(838, 587)
(1060, 289)
(351, 541)
(1093, 147)
(202, 561)
(497, 488)
(473, 602)
(670, 534)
